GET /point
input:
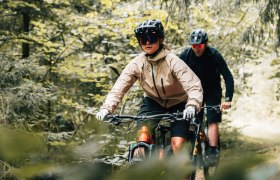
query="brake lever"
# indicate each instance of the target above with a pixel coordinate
(217, 109)
(113, 119)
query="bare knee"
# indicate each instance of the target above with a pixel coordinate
(177, 143)
(213, 126)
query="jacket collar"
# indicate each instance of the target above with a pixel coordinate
(162, 54)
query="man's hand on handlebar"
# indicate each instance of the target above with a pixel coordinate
(225, 105)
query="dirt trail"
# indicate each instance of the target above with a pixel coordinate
(256, 111)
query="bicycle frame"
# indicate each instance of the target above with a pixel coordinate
(200, 143)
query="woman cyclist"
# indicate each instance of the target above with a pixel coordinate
(169, 84)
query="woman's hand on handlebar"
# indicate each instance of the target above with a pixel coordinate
(102, 114)
(189, 112)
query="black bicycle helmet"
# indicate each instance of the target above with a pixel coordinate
(150, 27)
(198, 36)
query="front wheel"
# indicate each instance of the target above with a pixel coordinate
(193, 174)
(193, 154)
(210, 171)
(140, 151)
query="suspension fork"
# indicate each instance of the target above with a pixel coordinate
(146, 146)
(162, 141)
(196, 142)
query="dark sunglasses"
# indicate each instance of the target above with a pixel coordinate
(152, 39)
(198, 46)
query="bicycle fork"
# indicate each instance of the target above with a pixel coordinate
(143, 147)
(148, 149)
(199, 145)
(196, 143)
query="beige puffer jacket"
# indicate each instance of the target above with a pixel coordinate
(164, 78)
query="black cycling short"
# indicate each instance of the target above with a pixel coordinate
(212, 116)
(151, 107)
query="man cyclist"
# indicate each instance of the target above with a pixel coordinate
(208, 64)
(169, 84)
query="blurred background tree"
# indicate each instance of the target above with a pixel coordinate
(59, 59)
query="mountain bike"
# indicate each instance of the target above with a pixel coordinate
(157, 146)
(198, 137)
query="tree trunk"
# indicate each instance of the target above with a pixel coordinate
(26, 23)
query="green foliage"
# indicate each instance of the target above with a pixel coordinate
(18, 145)
(79, 48)
(31, 171)
(271, 16)
(21, 98)
(177, 167)
(237, 169)
(275, 62)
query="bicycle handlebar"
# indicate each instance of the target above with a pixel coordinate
(178, 116)
(214, 108)
(211, 107)
(172, 116)
(116, 119)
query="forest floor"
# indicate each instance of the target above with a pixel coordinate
(254, 158)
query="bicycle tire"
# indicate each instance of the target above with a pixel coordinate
(193, 158)
(210, 171)
(148, 149)
(193, 175)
